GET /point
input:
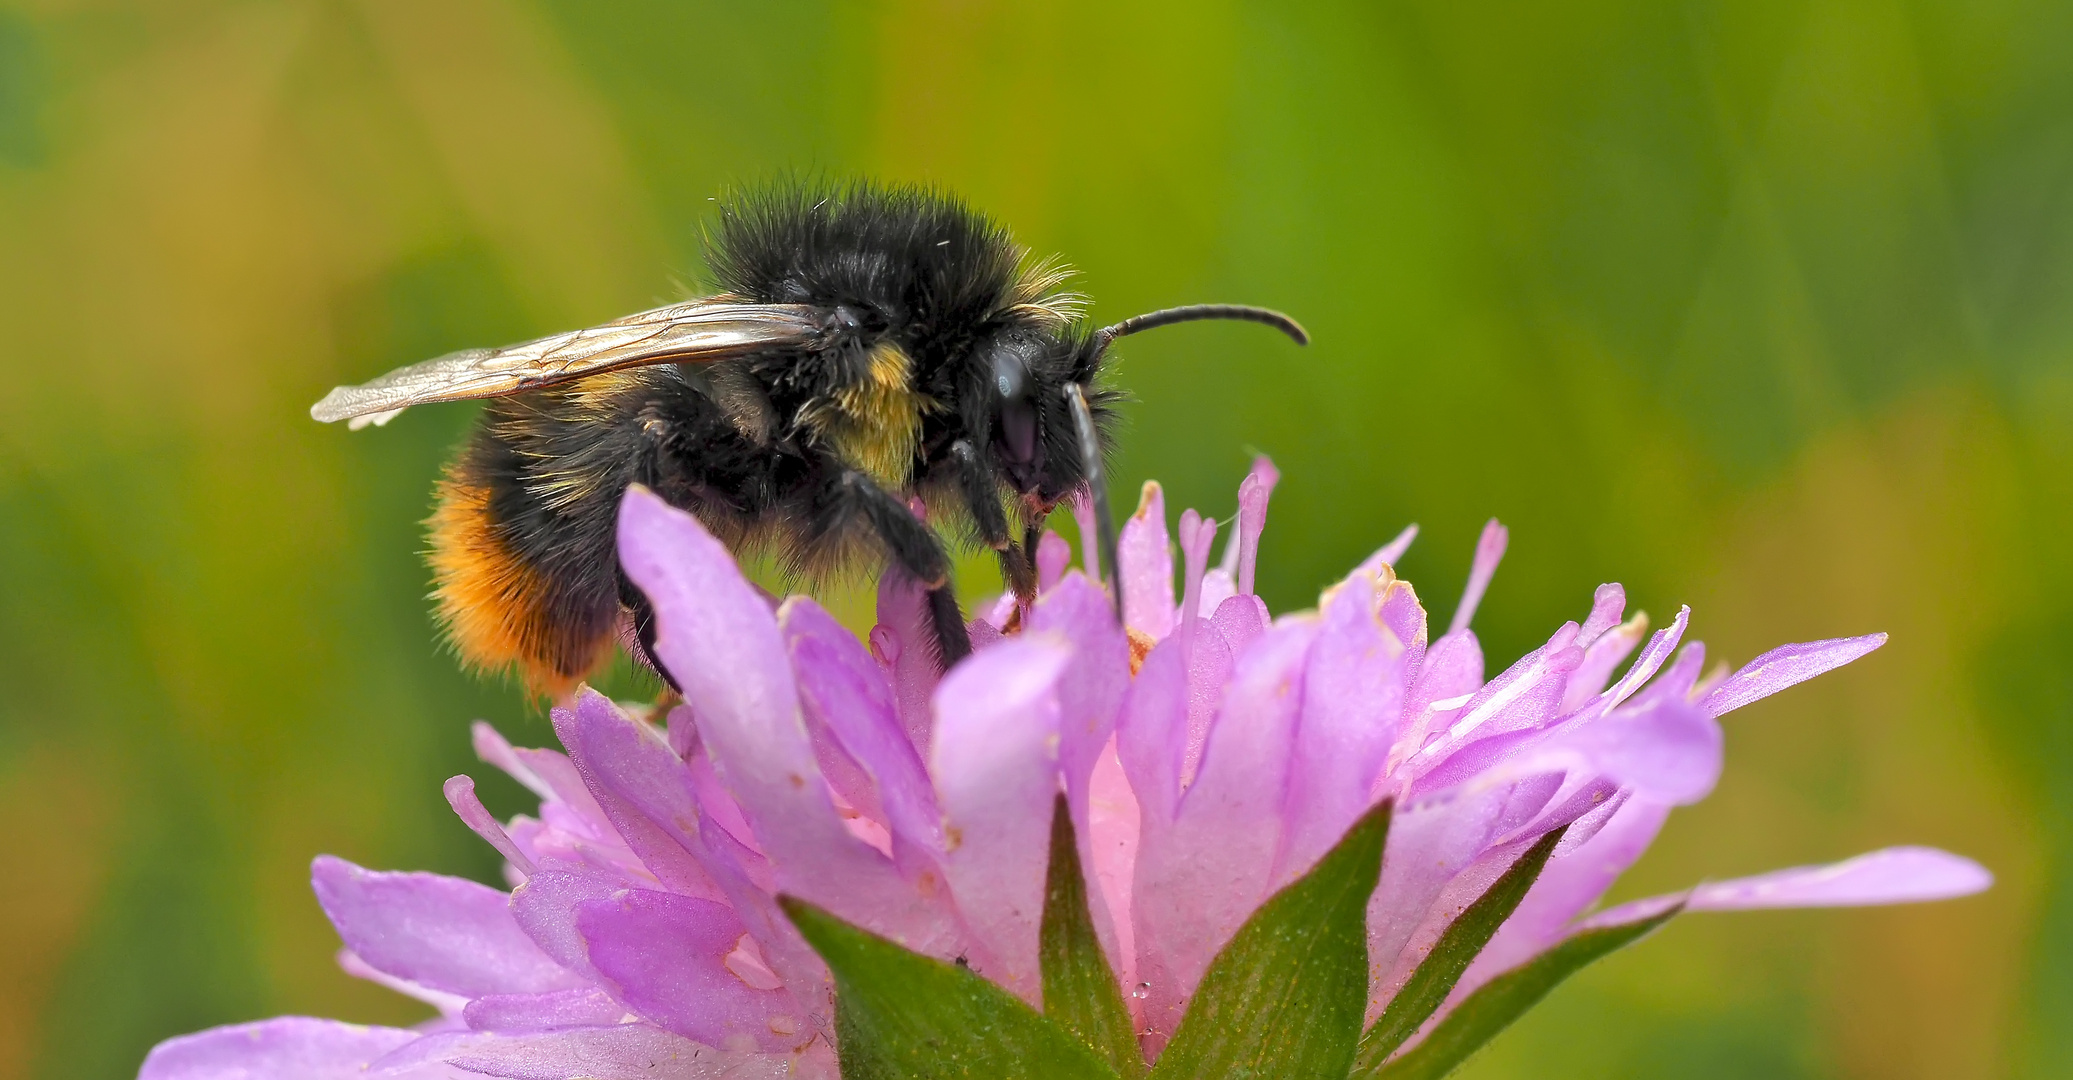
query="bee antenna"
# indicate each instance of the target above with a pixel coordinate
(1097, 490)
(1197, 312)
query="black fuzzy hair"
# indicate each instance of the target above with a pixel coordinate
(933, 267)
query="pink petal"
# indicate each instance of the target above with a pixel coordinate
(1147, 565)
(545, 908)
(1196, 535)
(1489, 552)
(1608, 603)
(905, 645)
(1405, 617)
(1090, 693)
(588, 1007)
(1570, 883)
(616, 1052)
(848, 695)
(624, 764)
(1525, 696)
(1052, 555)
(1111, 840)
(1217, 583)
(1600, 658)
(460, 794)
(1352, 700)
(448, 1004)
(1241, 620)
(289, 1046)
(1451, 671)
(1897, 875)
(1430, 843)
(1651, 660)
(549, 775)
(1209, 658)
(1200, 878)
(1253, 494)
(442, 932)
(1388, 554)
(996, 769)
(1152, 737)
(640, 777)
(665, 957)
(721, 641)
(1669, 751)
(1785, 666)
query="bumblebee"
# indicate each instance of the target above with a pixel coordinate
(870, 346)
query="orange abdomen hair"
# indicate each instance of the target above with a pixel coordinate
(500, 612)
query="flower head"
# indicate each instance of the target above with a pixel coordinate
(1209, 755)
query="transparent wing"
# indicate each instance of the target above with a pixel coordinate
(696, 331)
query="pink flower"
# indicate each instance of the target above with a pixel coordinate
(1209, 756)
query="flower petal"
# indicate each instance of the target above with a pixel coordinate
(1570, 883)
(1897, 875)
(616, 1052)
(1388, 554)
(1431, 842)
(720, 640)
(995, 763)
(1489, 552)
(441, 932)
(1785, 666)
(665, 957)
(1091, 689)
(904, 643)
(1352, 700)
(1667, 751)
(639, 784)
(1152, 737)
(588, 1007)
(1146, 560)
(1253, 493)
(448, 1004)
(1052, 555)
(1199, 879)
(1601, 656)
(848, 695)
(1651, 659)
(460, 794)
(289, 1046)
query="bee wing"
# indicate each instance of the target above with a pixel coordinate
(697, 331)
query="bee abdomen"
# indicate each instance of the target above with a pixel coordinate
(504, 606)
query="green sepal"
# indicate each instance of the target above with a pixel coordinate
(901, 1015)
(1505, 998)
(1284, 999)
(1081, 994)
(1442, 968)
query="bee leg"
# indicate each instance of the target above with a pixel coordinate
(642, 615)
(982, 496)
(914, 547)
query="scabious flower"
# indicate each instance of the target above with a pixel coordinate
(1209, 755)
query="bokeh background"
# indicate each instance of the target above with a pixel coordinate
(1764, 306)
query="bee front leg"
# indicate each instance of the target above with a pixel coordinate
(975, 481)
(913, 545)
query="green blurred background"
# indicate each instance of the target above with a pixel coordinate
(1761, 306)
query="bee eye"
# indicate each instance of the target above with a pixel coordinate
(1018, 430)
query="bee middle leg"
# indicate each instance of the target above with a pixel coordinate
(975, 481)
(853, 496)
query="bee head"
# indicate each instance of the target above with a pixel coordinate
(1036, 440)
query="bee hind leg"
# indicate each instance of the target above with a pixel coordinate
(637, 632)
